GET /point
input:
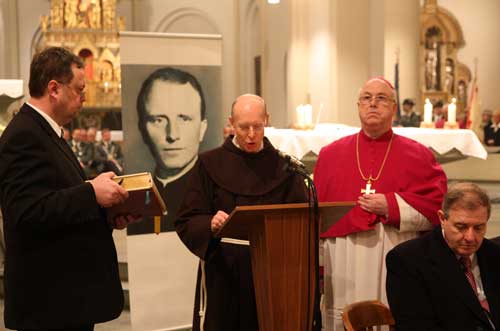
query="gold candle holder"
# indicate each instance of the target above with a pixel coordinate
(451, 126)
(427, 125)
(296, 126)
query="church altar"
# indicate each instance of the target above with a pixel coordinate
(10, 91)
(299, 142)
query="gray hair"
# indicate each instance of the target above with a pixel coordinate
(466, 196)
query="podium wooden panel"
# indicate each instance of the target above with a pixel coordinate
(283, 258)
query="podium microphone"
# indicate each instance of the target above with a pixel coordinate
(292, 161)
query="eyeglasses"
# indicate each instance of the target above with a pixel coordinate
(79, 91)
(382, 99)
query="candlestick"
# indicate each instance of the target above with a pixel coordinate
(299, 111)
(308, 119)
(428, 111)
(452, 112)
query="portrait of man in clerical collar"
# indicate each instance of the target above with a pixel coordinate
(171, 113)
(172, 120)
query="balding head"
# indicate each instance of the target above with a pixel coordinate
(248, 118)
(383, 81)
(376, 106)
(246, 100)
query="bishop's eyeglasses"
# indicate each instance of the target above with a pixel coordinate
(382, 99)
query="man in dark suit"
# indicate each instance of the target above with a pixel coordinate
(492, 132)
(409, 118)
(76, 145)
(449, 279)
(61, 270)
(108, 154)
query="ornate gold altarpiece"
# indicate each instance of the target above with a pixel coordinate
(90, 29)
(442, 76)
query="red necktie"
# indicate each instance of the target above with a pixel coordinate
(466, 262)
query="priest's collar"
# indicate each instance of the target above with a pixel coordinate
(235, 143)
(384, 137)
(165, 181)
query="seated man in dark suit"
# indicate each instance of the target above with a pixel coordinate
(409, 118)
(109, 156)
(492, 132)
(448, 279)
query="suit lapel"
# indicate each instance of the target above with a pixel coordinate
(64, 147)
(449, 273)
(490, 275)
(61, 145)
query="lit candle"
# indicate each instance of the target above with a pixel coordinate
(428, 111)
(308, 117)
(452, 112)
(300, 115)
(106, 85)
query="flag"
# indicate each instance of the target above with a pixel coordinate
(396, 88)
(474, 111)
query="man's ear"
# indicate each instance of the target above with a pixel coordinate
(203, 129)
(395, 108)
(442, 217)
(53, 89)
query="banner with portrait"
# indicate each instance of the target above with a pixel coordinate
(172, 109)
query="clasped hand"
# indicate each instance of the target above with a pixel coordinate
(374, 203)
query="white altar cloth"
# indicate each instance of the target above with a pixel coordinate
(12, 88)
(300, 142)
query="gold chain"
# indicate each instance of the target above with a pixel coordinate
(370, 178)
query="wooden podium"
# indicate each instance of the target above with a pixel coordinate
(282, 247)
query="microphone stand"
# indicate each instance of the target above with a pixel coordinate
(314, 208)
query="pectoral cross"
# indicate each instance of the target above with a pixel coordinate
(367, 189)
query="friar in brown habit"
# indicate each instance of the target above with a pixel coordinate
(245, 170)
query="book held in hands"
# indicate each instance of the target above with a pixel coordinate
(144, 198)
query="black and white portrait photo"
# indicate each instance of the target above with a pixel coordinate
(177, 113)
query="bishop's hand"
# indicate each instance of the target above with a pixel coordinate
(374, 203)
(218, 221)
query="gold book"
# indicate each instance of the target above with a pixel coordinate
(144, 198)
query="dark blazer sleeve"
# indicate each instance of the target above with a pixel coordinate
(408, 297)
(38, 189)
